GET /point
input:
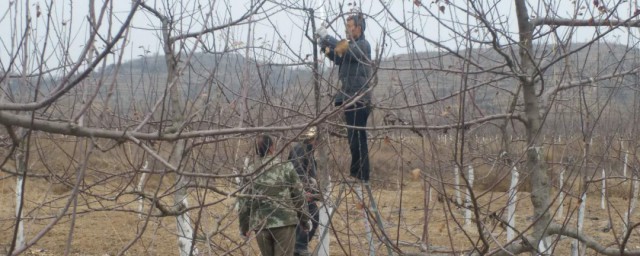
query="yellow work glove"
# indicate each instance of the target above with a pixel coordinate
(342, 47)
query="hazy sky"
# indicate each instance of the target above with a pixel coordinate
(278, 24)
(274, 23)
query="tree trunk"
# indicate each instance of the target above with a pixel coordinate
(140, 188)
(577, 248)
(323, 173)
(561, 194)
(181, 201)
(456, 173)
(603, 193)
(21, 170)
(535, 165)
(512, 202)
(635, 190)
(468, 213)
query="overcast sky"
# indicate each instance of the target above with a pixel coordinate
(278, 25)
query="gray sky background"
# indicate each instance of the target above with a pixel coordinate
(278, 27)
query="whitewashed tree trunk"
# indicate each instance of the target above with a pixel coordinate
(561, 195)
(535, 165)
(238, 180)
(430, 192)
(21, 168)
(181, 201)
(183, 223)
(512, 202)
(632, 204)
(21, 164)
(427, 209)
(177, 116)
(140, 188)
(576, 247)
(468, 213)
(624, 168)
(324, 174)
(325, 211)
(456, 173)
(603, 193)
(19, 194)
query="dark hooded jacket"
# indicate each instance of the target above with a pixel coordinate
(355, 69)
(301, 156)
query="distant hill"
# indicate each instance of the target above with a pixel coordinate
(435, 80)
(424, 76)
(146, 77)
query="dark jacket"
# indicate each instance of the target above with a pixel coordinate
(355, 68)
(301, 156)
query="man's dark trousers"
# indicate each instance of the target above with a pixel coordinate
(357, 115)
(303, 237)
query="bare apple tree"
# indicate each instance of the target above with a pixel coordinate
(541, 70)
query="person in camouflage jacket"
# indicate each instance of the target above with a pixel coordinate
(275, 202)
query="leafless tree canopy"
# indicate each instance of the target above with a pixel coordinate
(127, 124)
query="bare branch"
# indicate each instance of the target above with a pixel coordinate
(586, 23)
(245, 16)
(590, 242)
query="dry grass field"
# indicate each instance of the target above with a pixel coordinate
(107, 223)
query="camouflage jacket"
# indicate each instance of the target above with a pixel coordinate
(274, 198)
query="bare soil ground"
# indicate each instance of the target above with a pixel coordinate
(108, 224)
(108, 232)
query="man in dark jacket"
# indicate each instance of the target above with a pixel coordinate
(301, 156)
(354, 58)
(276, 205)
